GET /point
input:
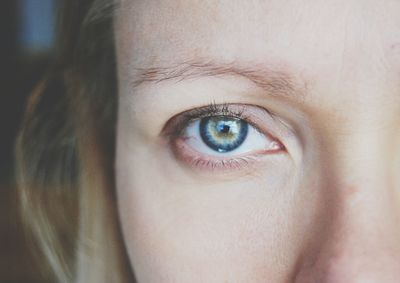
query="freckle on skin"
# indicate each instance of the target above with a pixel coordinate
(395, 46)
(351, 190)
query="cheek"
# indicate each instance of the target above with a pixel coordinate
(180, 229)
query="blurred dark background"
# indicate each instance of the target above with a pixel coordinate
(26, 46)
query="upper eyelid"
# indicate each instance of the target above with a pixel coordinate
(179, 122)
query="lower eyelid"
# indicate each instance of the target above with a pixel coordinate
(189, 156)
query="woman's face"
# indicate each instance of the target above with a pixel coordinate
(259, 141)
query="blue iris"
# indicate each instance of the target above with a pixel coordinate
(223, 134)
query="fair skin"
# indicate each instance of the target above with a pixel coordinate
(313, 193)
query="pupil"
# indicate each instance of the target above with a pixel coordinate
(223, 134)
(225, 129)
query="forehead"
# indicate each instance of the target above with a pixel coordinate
(232, 29)
(344, 44)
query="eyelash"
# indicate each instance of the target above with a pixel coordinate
(175, 128)
(204, 112)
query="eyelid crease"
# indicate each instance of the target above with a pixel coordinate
(274, 82)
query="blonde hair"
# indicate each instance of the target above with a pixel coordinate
(65, 152)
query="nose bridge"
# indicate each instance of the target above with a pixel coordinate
(360, 242)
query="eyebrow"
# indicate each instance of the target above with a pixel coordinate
(274, 82)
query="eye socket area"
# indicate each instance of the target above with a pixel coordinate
(225, 137)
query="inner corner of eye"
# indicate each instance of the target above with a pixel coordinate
(276, 145)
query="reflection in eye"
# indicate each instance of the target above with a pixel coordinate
(222, 136)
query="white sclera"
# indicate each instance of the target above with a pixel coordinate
(254, 141)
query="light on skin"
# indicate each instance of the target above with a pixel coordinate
(321, 79)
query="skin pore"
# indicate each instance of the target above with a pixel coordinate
(313, 193)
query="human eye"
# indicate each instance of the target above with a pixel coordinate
(222, 136)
